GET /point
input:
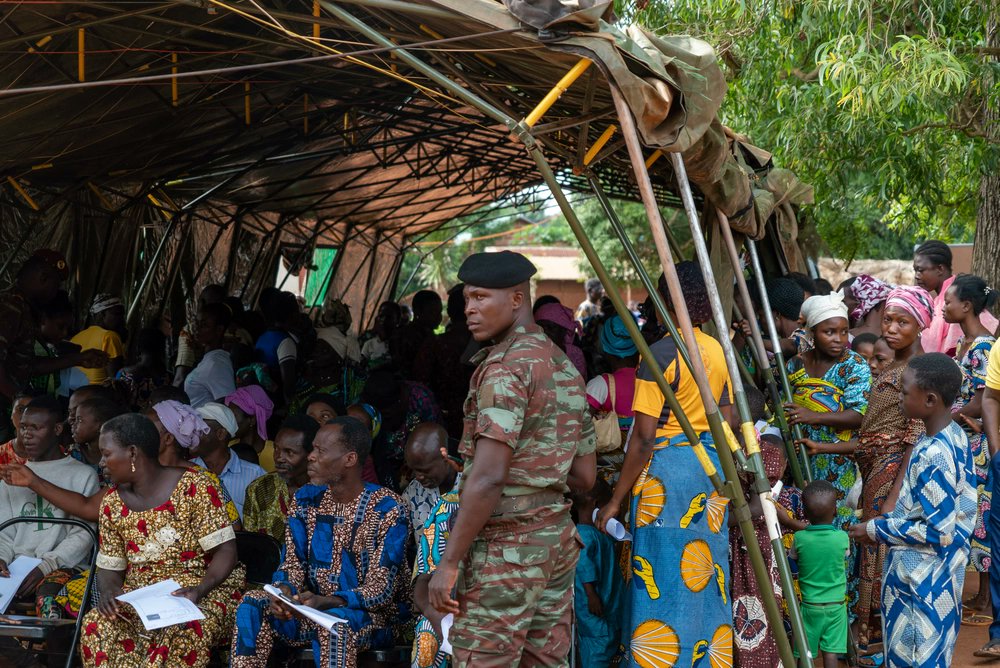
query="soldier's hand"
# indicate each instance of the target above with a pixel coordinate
(439, 589)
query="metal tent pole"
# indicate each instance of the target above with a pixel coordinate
(758, 343)
(779, 358)
(726, 443)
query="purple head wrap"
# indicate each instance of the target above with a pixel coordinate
(181, 421)
(562, 316)
(914, 300)
(869, 292)
(253, 400)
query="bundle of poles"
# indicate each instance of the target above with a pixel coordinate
(732, 456)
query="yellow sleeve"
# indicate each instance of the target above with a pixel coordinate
(993, 368)
(112, 345)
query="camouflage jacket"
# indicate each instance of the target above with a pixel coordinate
(526, 393)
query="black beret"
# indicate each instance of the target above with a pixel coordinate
(496, 270)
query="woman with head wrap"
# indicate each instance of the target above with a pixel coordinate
(612, 392)
(885, 439)
(252, 408)
(865, 299)
(677, 517)
(179, 427)
(830, 385)
(558, 324)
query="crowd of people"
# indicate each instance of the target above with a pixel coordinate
(458, 475)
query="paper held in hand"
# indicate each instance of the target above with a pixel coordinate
(614, 528)
(19, 569)
(325, 620)
(158, 608)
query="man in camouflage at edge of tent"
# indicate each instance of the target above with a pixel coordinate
(528, 439)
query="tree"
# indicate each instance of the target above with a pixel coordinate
(882, 106)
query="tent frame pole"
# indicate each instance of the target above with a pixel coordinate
(726, 444)
(779, 358)
(757, 339)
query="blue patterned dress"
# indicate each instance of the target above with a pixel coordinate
(973, 365)
(928, 532)
(843, 387)
(678, 607)
(354, 550)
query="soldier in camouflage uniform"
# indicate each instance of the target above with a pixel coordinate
(527, 440)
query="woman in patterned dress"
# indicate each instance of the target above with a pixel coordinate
(678, 609)
(158, 523)
(830, 386)
(885, 440)
(964, 300)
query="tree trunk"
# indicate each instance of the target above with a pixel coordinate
(986, 250)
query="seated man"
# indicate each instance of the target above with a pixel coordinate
(345, 554)
(269, 497)
(62, 549)
(432, 473)
(432, 538)
(212, 451)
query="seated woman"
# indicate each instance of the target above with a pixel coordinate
(830, 385)
(179, 427)
(158, 523)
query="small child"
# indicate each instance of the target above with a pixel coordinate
(820, 550)
(928, 531)
(882, 357)
(599, 585)
(864, 345)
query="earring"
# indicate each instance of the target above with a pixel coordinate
(133, 465)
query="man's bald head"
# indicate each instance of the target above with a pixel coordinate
(426, 454)
(427, 438)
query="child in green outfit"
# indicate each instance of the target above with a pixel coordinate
(820, 550)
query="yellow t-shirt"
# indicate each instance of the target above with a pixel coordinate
(993, 368)
(650, 401)
(98, 338)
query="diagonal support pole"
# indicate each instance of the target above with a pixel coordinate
(721, 433)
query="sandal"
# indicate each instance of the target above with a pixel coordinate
(990, 650)
(873, 660)
(977, 620)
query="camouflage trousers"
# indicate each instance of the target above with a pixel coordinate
(516, 593)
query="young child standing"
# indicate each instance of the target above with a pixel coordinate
(928, 531)
(599, 585)
(821, 550)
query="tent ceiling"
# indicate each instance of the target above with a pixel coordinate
(361, 140)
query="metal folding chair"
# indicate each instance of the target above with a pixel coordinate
(42, 630)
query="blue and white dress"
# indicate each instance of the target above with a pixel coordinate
(928, 533)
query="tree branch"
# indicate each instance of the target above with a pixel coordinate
(801, 75)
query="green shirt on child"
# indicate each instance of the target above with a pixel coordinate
(820, 551)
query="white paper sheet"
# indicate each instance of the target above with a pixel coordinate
(325, 620)
(614, 528)
(446, 623)
(157, 607)
(19, 569)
